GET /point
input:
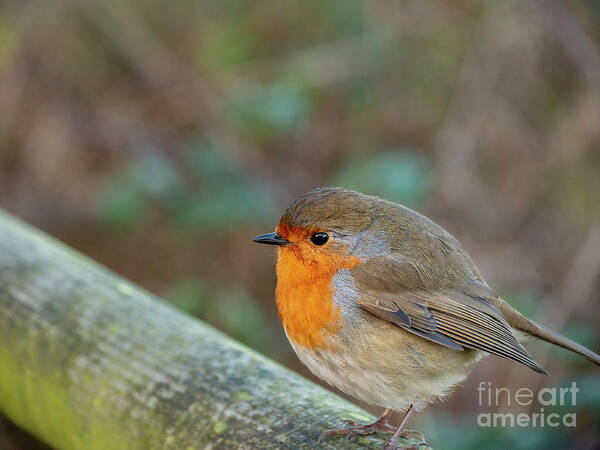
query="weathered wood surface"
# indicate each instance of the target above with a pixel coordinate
(90, 361)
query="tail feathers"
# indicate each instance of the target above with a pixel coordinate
(558, 339)
(522, 323)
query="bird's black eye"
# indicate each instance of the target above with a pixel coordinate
(319, 238)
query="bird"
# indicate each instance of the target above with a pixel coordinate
(386, 305)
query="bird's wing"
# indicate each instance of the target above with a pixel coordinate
(458, 318)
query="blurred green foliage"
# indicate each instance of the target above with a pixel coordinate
(580, 194)
(403, 176)
(527, 301)
(582, 333)
(121, 206)
(8, 38)
(228, 43)
(202, 193)
(272, 110)
(460, 433)
(452, 434)
(231, 310)
(149, 178)
(223, 196)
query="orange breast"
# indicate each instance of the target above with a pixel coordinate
(305, 296)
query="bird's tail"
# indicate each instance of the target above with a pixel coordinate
(528, 326)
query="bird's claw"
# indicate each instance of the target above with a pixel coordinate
(356, 429)
(351, 423)
(407, 434)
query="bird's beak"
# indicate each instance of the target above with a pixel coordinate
(271, 239)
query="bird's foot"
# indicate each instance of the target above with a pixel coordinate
(356, 429)
(406, 434)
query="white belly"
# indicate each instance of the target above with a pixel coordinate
(396, 377)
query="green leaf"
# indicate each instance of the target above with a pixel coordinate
(154, 176)
(271, 110)
(120, 207)
(228, 43)
(9, 37)
(190, 296)
(224, 195)
(207, 161)
(241, 317)
(525, 301)
(399, 175)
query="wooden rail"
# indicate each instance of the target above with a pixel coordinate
(90, 361)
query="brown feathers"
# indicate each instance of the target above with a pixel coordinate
(411, 272)
(456, 318)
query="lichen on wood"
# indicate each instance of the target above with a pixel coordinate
(90, 361)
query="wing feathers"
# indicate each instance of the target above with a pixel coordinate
(455, 318)
(402, 319)
(472, 338)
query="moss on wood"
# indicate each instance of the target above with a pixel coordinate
(88, 360)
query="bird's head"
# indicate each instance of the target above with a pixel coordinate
(329, 227)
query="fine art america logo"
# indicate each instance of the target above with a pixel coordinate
(502, 397)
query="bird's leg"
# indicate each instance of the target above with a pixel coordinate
(356, 429)
(379, 423)
(401, 432)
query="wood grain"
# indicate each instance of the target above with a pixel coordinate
(90, 361)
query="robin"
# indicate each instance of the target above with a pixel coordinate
(383, 303)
